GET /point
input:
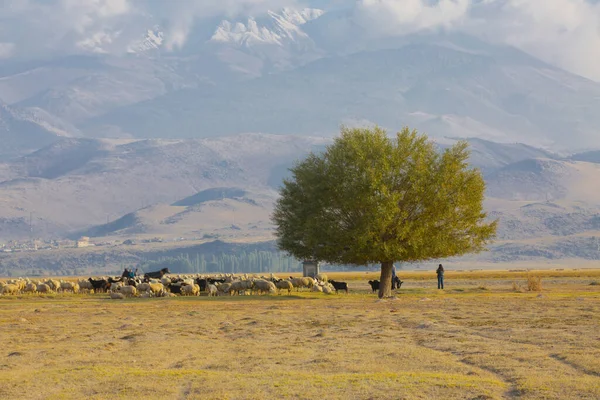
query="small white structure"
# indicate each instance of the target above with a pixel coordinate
(310, 268)
(83, 241)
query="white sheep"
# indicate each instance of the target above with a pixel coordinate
(43, 288)
(240, 286)
(317, 288)
(211, 289)
(262, 286)
(224, 288)
(66, 286)
(308, 282)
(115, 286)
(321, 278)
(20, 283)
(165, 281)
(190, 290)
(157, 287)
(85, 285)
(117, 296)
(53, 284)
(30, 288)
(144, 287)
(127, 291)
(286, 285)
(10, 288)
(296, 282)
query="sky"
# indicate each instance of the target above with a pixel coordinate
(565, 33)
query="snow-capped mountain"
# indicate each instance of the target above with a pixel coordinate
(152, 40)
(279, 73)
(275, 41)
(277, 29)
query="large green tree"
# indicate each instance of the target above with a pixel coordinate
(369, 198)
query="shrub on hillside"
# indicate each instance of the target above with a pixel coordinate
(516, 287)
(534, 283)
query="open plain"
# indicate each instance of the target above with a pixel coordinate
(484, 337)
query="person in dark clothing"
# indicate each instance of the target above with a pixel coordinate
(125, 273)
(131, 274)
(440, 276)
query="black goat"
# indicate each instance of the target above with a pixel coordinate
(339, 286)
(374, 285)
(156, 274)
(100, 285)
(176, 289)
(132, 282)
(203, 283)
(396, 283)
(213, 281)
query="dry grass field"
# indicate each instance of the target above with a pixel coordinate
(484, 337)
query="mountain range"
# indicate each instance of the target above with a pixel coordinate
(225, 188)
(282, 73)
(194, 141)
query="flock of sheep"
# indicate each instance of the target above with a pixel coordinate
(173, 285)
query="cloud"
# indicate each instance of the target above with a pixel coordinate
(181, 16)
(565, 33)
(562, 32)
(6, 50)
(393, 17)
(53, 26)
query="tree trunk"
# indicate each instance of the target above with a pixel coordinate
(385, 281)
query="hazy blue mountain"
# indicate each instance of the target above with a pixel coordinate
(506, 96)
(26, 130)
(75, 183)
(302, 71)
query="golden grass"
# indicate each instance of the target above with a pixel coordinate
(468, 274)
(462, 343)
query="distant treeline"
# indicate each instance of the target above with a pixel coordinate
(244, 262)
(211, 257)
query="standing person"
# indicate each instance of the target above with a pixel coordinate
(393, 277)
(440, 276)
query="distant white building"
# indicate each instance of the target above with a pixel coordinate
(83, 241)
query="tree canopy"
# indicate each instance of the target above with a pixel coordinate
(370, 198)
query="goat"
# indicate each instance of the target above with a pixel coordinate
(374, 285)
(339, 286)
(156, 274)
(396, 283)
(101, 285)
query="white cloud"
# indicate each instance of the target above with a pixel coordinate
(72, 25)
(98, 42)
(54, 26)
(182, 16)
(394, 17)
(562, 32)
(565, 33)
(6, 50)
(84, 14)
